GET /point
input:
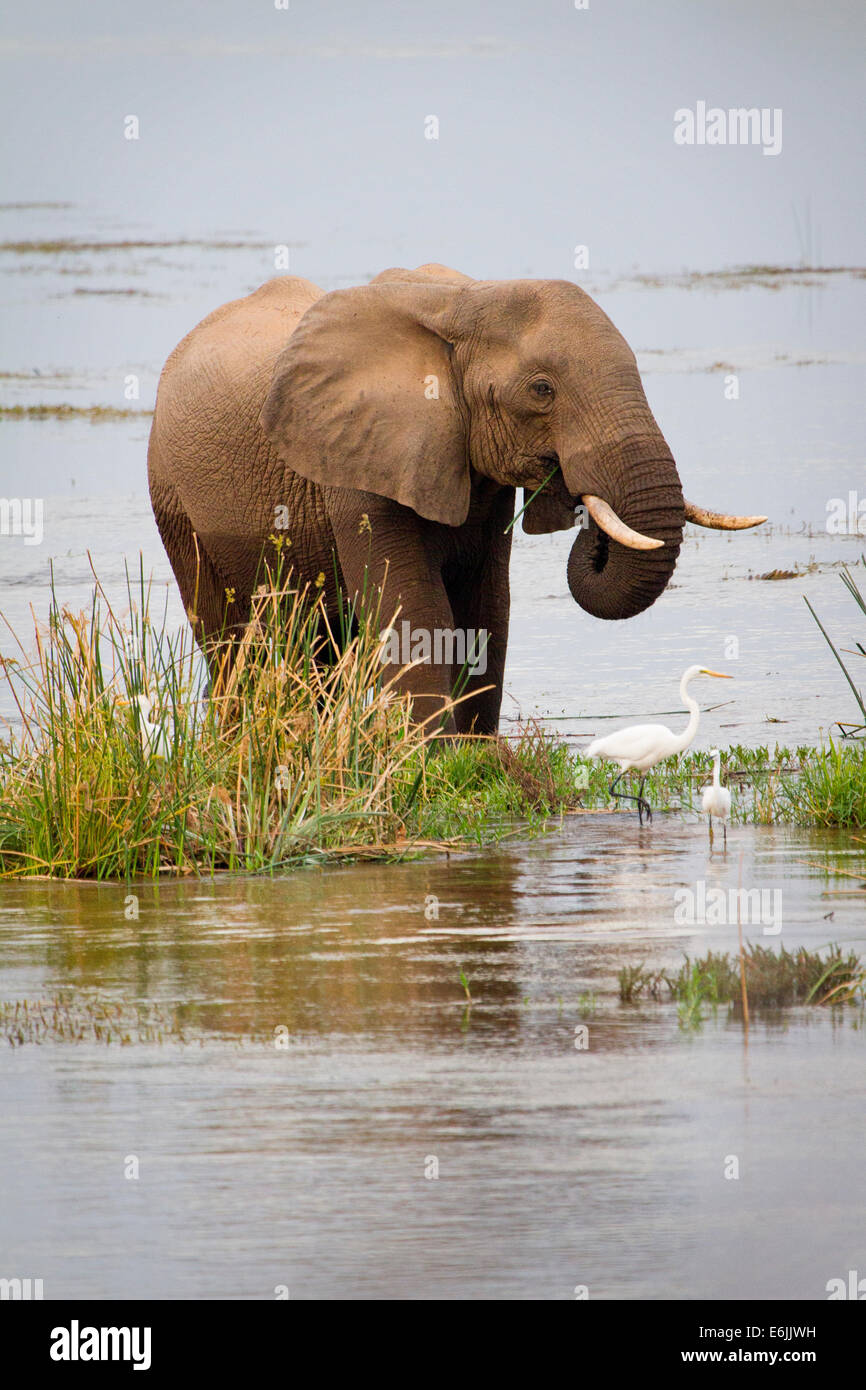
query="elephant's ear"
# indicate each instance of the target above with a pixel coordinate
(363, 396)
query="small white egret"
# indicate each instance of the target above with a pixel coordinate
(716, 799)
(156, 739)
(644, 745)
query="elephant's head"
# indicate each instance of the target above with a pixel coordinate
(404, 386)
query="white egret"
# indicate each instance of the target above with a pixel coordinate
(156, 739)
(644, 745)
(716, 799)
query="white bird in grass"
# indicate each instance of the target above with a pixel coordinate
(156, 739)
(716, 799)
(644, 745)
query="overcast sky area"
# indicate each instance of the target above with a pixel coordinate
(555, 128)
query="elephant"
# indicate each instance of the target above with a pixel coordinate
(389, 425)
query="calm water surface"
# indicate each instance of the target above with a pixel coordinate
(304, 1164)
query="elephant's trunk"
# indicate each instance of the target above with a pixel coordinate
(612, 580)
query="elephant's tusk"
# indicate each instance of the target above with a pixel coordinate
(720, 521)
(607, 520)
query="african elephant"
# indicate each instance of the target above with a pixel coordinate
(392, 423)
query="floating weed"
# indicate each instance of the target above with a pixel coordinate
(96, 414)
(86, 1019)
(72, 246)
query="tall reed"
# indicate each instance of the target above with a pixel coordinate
(117, 767)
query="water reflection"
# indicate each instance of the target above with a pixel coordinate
(379, 947)
(304, 1163)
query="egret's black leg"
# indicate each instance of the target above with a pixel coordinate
(626, 796)
(643, 805)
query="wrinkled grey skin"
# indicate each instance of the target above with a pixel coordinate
(421, 401)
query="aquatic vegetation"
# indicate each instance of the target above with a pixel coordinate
(801, 786)
(831, 789)
(297, 760)
(767, 277)
(300, 759)
(82, 1018)
(635, 980)
(482, 787)
(74, 246)
(94, 413)
(773, 980)
(847, 730)
(292, 760)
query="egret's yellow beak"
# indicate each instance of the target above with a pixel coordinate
(720, 674)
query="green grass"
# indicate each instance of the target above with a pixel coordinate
(774, 980)
(298, 761)
(831, 789)
(477, 788)
(799, 786)
(846, 729)
(294, 760)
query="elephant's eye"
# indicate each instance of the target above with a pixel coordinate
(543, 389)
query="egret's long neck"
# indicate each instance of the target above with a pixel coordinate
(717, 769)
(691, 728)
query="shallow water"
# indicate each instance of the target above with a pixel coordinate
(304, 1165)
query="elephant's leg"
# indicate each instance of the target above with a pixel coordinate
(385, 563)
(486, 626)
(481, 604)
(216, 623)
